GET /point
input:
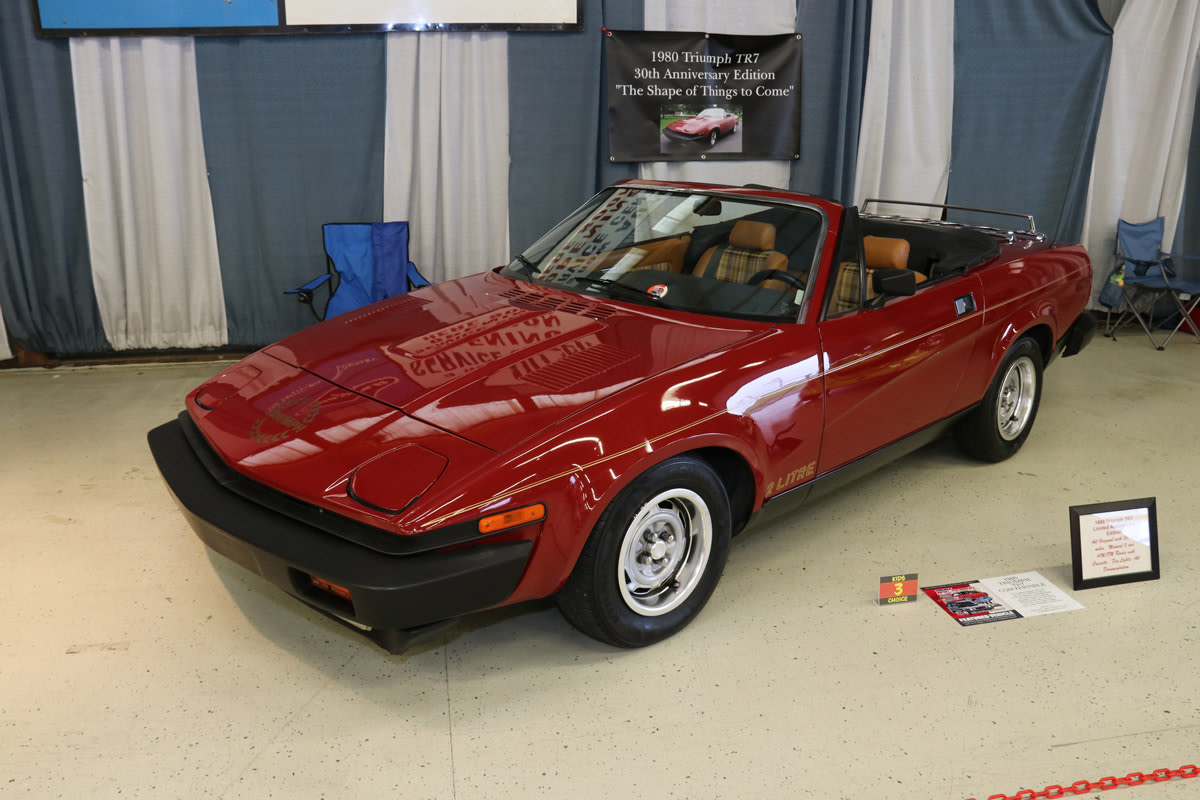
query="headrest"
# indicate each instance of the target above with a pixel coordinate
(750, 235)
(882, 252)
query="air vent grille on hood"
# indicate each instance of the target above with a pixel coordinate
(369, 316)
(566, 373)
(542, 302)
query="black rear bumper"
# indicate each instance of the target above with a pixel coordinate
(394, 599)
(1079, 334)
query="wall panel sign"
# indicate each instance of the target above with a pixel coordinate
(702, 97)
(227, 17)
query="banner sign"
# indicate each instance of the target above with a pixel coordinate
(700, 96)
(225, 17)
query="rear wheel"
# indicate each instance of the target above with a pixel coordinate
(654, 557)
(1001, 424)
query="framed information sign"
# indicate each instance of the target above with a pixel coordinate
(1114, 543)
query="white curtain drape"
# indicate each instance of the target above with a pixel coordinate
(908, 104)
(152, 238)
(751, 18)
(1140, 161)
(446, 151)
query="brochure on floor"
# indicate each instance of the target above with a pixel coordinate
(976, 602)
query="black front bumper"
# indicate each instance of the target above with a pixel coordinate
(680, 136)
(395, 599)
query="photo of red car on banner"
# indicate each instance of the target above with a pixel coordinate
(683, 127)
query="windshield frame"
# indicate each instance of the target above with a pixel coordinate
(527, 265)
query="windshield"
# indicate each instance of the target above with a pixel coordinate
(689, 251)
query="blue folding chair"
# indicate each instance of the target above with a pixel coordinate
(367, 262)
(1143, 276)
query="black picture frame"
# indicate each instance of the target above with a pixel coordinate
(1114, 543)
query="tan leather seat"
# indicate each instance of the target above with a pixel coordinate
(666, 255)
(750, 251)
(879, 252)
(885, 252)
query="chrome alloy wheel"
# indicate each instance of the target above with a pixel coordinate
(664, 553)
(1016, 402)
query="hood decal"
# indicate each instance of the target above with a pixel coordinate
(294, 415)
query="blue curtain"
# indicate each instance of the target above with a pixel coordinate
(294, 136)
(1028, 86)
(1187, 234)
(836, 36)
(558, 119)
(45, 271)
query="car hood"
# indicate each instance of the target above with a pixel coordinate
(496, 361)
(693, 125)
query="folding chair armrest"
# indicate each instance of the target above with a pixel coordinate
(415, 279)
(1183, 256)
(308, 287)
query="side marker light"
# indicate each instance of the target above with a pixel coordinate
(511, 519)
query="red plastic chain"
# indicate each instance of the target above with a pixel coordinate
(1103, 785)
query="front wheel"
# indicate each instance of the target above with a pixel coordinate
(654, 557)
(712, 137)
(1001, 424)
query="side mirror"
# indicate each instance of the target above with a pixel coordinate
(892, 283)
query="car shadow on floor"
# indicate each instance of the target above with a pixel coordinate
(535, 626)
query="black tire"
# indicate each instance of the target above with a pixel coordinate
(1001, 424)
(713, 136)
(672, 524)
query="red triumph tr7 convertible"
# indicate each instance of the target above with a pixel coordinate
(668, 366)
(708, 126)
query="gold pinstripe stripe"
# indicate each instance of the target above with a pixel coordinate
(582, 467)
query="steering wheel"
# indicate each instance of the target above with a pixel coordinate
(795, 281)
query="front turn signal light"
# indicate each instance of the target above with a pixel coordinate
(512, 519)
(332, 588)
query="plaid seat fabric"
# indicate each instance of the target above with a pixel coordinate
(847, 293)
(738, 266)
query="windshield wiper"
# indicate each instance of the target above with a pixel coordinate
(527, 266)
(609, 283)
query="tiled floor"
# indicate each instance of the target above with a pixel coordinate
(134, 663)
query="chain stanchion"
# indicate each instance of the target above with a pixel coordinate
(1102, 785)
